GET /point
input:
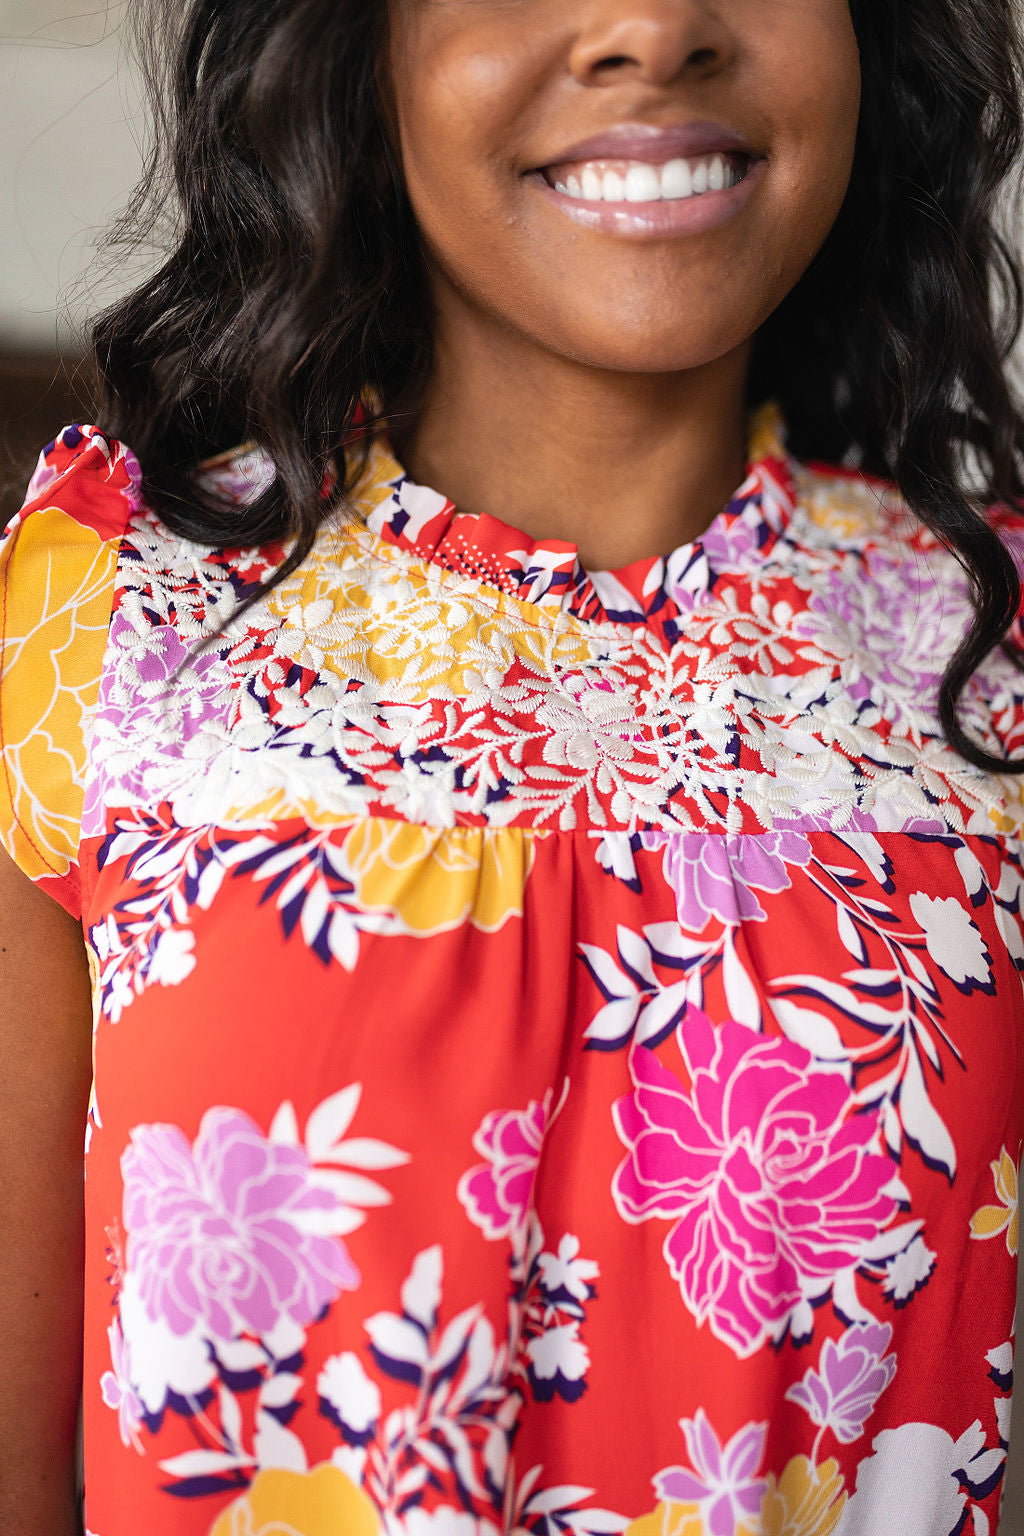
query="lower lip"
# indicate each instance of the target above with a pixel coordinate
(652, 221)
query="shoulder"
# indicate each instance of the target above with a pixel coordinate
(58, 565)
(897, 603)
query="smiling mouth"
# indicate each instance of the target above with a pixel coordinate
(639, 181)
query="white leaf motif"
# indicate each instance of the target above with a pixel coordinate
(331, 1119)
(421, 1292)
(549, 1500)
(350, 1188)
(663, 1010)
(240, 1355)
(230, 1416)
(850, 935)
(277, 1446)
(668, 940)
(614, 1021)
(203, 1463)
(397, 1339)
(812, 1030)
(596, 1522)
(278, 1391)
(284, 1128)
(922, 1122)
(634, 953)
(364, 1152)
(613, 982)
(892, 1241)
(740, 992)
(454, 1338)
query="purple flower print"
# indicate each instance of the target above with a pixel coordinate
(497, 1193)
(229, 1232)
(897, 622)
(716, 876)
(118, 1391)
(150, 737)
(851, 1376)
(771, 1180)
(735, 539)
(723, 1482)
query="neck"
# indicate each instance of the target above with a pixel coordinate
(625, 466)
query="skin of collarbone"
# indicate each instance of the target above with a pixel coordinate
(590, 366)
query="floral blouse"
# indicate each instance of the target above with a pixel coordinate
(557, 1033)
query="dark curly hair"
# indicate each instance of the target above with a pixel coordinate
(295, 280)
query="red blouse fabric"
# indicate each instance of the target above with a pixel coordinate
(556, 1033)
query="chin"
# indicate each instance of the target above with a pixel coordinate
(630, 346)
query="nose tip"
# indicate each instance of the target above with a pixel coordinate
(650, 40)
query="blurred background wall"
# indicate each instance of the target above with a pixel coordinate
(71, 126)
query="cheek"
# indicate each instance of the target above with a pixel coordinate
(815, 81)
(457, 104)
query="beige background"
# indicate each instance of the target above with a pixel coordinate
(70, 132)
(69, 124)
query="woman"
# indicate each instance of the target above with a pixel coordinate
(546, 844)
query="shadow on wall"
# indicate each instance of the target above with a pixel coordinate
(39, 394)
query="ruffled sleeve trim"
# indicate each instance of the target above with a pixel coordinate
(58, 563)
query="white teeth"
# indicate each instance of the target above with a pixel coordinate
(593, 186)
(643, 184)
(640, 182)
(676, 179)
(614, 187)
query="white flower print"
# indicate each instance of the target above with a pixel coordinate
(171, 959)
(953, 939)
(591, 719)
(945, 1472)
(566, 1271)
(162, 1361)
(907, 1272)
(559, 1352)
(352, 1397)
(439, 1522)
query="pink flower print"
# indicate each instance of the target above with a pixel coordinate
(770, 1178)
(717, 875)
(497, 1193)
(851, 1376)
(723, 1482)
(230, 1232)
(118, 1391)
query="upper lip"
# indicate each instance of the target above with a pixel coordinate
(646, 142)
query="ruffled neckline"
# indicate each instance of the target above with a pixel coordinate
(548, 574)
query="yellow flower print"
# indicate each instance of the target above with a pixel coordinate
(433, 879)
(321, 1502)
(671, 1519)
(766, 433)
(990, 1220)
(1008, 817)
(54, 635)
(398, 620)
(804, 1501)
(840, 506)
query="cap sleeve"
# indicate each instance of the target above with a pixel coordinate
(58, 561)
